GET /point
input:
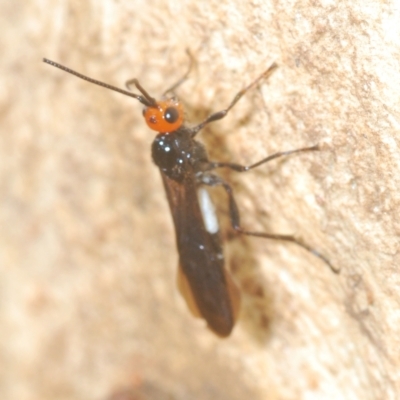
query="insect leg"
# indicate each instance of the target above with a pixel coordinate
(221, 114)
(213, 180)
(243, 168)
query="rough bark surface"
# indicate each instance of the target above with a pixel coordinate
(89, 307)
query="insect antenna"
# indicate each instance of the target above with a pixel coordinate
(145, 99)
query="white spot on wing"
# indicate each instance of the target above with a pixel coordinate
(208, 211)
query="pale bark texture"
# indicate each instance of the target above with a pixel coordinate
(89, 307)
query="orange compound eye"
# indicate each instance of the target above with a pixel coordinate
(166, 117)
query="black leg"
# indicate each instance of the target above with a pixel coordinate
(243, 168)
(221, 114)
(213, 180)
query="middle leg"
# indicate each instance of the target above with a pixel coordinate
(244, 168)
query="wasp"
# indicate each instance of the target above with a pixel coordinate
(186, 172)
